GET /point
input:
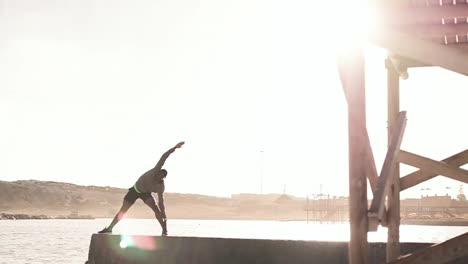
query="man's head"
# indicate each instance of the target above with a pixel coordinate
(162, 174)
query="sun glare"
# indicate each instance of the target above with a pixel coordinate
(351, 21)
(123, 244)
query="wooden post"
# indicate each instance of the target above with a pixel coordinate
(393, 217)
(351, 67)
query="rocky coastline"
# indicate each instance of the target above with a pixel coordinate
(4, 216)
(26, 200)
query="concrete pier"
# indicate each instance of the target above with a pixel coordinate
(107, 248)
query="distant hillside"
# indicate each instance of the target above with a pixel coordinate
(55, 198)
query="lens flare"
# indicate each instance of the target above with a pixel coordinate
(123, 244)
(140, 242)
(146, 243)
(126, 241)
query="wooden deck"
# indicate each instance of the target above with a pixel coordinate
(416, 33)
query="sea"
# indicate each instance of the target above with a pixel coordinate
(67, 240)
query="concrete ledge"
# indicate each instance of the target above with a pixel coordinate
(105, 248)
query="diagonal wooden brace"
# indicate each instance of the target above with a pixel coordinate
(433, 166)
(445, 252)
(377, 213)
(419, 176)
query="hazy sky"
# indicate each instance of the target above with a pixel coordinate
(93, 92)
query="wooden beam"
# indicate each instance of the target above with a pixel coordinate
(393, 194)
(371, 170)
(454, 42)
(377, 208)
(455, 36)
(426, 3)
(421, 50)
(445, 252)
(460, 48)
(401, 70)
(419, 176)
(427, 31)
(397, 15)
(433, 166)
(405, 62)
(352, 74)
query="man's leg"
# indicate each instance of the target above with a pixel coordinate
(157, 213)
(161, 206)
(125, 206)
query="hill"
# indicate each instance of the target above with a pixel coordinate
(57, 198)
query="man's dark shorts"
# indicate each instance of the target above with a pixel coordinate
(133, 195)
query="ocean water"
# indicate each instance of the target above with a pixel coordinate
(67, 241)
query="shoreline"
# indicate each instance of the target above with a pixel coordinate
(435, 222)
(429, 222)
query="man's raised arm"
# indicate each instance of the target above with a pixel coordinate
(166, 155)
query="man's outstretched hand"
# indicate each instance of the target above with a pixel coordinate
(180, 144)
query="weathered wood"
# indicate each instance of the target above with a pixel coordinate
(373, 221)
(401, 70)
(455, 36)
(352, 74)
(419, 176)
(377, 208)
(441, 253)
(404, 62)
(395, 126)
(435, 30)
(425, 3)
(461, 48)
(433, 166)
(455, 43)
(396, 15)
(371, 170)
(420, 50)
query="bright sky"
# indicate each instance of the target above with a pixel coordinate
(93, 92)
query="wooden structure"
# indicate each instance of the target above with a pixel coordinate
(416, 33)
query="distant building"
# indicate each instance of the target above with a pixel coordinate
(436, 201)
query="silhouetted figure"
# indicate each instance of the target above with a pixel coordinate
(151, 181)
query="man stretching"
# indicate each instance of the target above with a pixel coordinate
(150, 181)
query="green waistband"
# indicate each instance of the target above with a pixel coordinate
(136, 189)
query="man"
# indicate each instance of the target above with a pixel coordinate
(151, 181)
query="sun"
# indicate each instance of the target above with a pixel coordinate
(351, 22)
